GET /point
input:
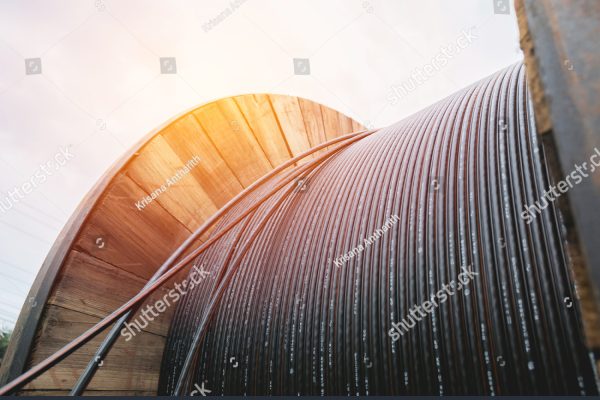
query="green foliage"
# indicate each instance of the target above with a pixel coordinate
(4, 338)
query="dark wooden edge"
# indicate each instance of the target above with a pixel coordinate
(553, 87)
(22, 338)
(562, 62)
(18, 350)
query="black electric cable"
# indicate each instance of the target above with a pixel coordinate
(314, 293)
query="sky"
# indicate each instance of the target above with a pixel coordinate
(81, 82)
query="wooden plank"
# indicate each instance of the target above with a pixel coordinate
(227, 129)
(131, 248)
(18, 350)
(123, 236)
(332, 123)
(261, 118)
(345, 124)
(102, 289)
(290, 119)
(86, 393)
(159, 171)
(132, 365)
(187, 138)
(313, 121)
(356, 126)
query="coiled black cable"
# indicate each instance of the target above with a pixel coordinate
(457, 175)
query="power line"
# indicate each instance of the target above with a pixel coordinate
(39, 221)
(18, 300)
(16, 267)
(25, 232)
(9, 289)
(39, 191)
(9, 306)
(27, 284)
(50, 216)
(8, 312)
(9, 323)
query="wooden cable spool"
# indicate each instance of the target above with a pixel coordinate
(115, 240)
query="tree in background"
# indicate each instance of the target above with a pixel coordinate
(4, 338)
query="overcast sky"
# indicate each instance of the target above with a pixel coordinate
(101, 89)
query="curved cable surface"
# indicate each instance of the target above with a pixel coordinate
(323, 281)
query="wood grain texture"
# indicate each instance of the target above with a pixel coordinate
(110, 247)
(357, 126)
(313, 122)
(133, 365)
(228, 130)
(133, 240)
(187, 138)
(88, 393)
(180, 194)
(261, 119)
(102, 289)
(334, 124)
(291, 121)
